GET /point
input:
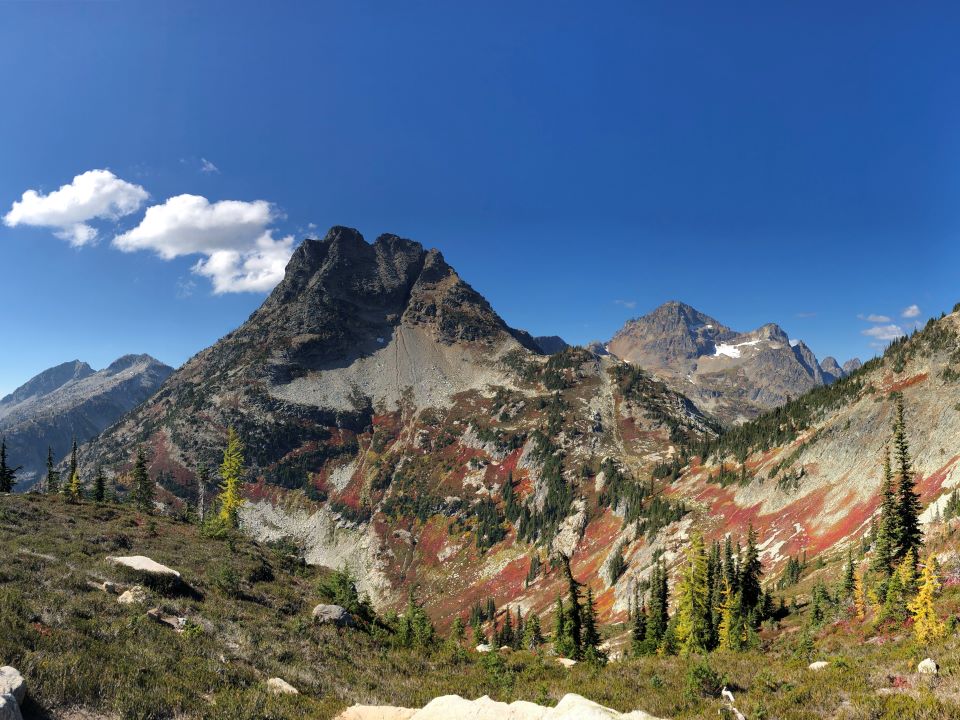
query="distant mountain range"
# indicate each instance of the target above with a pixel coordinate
(732, 375)
(69, 401)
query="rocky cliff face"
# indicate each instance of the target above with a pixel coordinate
(734, 376)
(72, 400)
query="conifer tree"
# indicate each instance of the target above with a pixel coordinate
(658, 617)
(638, 631)
(859, 596)
(574, 612)
(926, 625)
(506, 634)
(143, 485)
(908, 501)
(532, 635)
(562, 640)
(457, 632)
(887, 538)
(74, 488)
(693, 613)
(8, 475)
(725, 630)
(53, 475)
(848, 577)
(65, 489)
(99, 486)
(591, 636)
(750, 574)
(231, 475)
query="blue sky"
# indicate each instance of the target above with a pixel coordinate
(578, 163)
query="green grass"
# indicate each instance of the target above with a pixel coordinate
(249, 619)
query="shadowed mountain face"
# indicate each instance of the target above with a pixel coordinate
(734, 376)
(72, 400)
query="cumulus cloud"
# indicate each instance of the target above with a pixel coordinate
(911, 312)
(884, 332)
(235, 238)
(872, 317)
(95, 194)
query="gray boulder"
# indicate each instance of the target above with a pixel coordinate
(332, 615)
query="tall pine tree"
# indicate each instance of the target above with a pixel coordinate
(887, 532)
(143, 490)
(694, 625)
(908, 501)
(8, 475)
(53, 475)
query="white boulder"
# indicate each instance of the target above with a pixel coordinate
(483, 647)
(281, 687)
(818, 665)
(566, 662)
(144, 564)
(928, 667)
(12, 683)
(133, 596)
(454, 707)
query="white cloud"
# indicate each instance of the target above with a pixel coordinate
(241, 252)
(208, 167)
(95, 194)
(629, 304)
(875, 318)
(884, 332)
(911, 312)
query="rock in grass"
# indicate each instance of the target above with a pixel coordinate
(818, 665)
(9, 708)
(928, 667)
(566, 662)
(142, 563)
(12, 683)
(484, 647)
(133, 596)
(281, 687)
(332, 615)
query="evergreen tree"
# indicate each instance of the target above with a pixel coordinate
(729, 563)
(65, 488)
(658, 617)
(8, 475)
(750, 571)
(532, 635)
(574, 612)
(231, 475)
(457, 631)
(887, 535)
(926, 625)
(53, 475)
(848, 577)
(143, 490)
(693, 613)
(591, 636)
(506, 634)
(99, 486)
(518, 629)
(562, 639)
(726, 631)
(859, 596)
(908, 501)
(638, 632)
